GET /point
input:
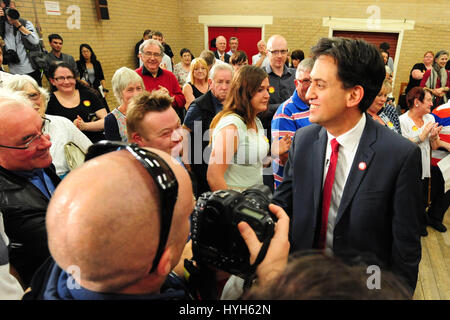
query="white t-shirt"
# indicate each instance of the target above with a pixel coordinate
(411, 131)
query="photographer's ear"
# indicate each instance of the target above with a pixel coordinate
(165, 263)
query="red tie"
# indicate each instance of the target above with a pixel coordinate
(327, 189)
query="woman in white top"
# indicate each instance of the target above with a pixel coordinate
(418, 125)
(60, 129)
(239, 144)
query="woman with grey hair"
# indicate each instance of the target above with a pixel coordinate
(126, 83)
(437, 79)
(60, 129)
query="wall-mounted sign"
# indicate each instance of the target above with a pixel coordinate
(52, 8)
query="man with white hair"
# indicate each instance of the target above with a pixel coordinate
(27, 181)
(260, 59)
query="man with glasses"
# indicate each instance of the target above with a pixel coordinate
(151, 52)
(290, 116)
(130, 246)
(27, 181)
(281, 80)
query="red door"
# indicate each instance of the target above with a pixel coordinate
(374, 38)
(248, 38)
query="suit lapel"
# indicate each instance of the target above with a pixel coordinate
(364, 154)
(319, 149)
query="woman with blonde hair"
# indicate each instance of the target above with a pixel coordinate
(239, 145)
(197, 81)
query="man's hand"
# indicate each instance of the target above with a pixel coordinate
(277, 254)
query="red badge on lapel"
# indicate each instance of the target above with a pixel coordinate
(362, 166)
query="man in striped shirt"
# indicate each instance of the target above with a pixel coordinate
(290, 116)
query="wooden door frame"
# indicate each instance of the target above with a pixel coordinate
(365, 25)
(233, 21)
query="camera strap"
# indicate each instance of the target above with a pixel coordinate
(261, 255)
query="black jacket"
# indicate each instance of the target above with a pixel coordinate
(206, 104)
(24, 207)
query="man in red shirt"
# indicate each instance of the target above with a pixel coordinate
(151, 52)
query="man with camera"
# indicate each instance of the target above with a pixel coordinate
(127, 246)
(19, 36)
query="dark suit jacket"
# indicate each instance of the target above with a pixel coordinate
(380, 206)
(227, 56)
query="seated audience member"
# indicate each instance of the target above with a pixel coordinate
(199, 116)
(149, 267)
(440, 200)
(437, 79)
(126, 84)
(296, 57)
(3, 75)
(321, 277)
(290, 116)
(10, 288)
(418, 70)
(91, 72)
(155, 78)
(60, 129)
(382, 113)
(151, 122)
(197, 85)
(238, 59)
(27, 181)
(182, 68)
(419, 126)
(239, 145)
(73, 100)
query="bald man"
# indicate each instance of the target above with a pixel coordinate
(110, 242)
(27, 180)
(220, 53)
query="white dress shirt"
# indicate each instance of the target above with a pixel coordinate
(348, 144)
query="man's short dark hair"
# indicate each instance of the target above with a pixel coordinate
(54, 36)
(358, 63)
(158, 34)
(147, 32)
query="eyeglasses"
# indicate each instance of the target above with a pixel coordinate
(161, 174)
(277, 52)
(304, 82)
(34, 95)
(152, 54)
(33, 139)
(62, 79)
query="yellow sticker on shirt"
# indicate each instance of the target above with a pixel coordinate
(390, 124)
(271, 89)
(267, 140)
(415, 128)
(87, 103)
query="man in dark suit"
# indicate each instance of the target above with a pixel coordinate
(350, 185)
(198, 119)
(220, 53)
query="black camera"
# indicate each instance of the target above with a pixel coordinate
(10, 12)
(216, 240)
(10, 56)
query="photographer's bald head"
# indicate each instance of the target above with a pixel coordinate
(104, 218)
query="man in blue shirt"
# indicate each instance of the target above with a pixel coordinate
(291, 115)
(27, 182)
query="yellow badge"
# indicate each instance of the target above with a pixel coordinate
(87, 103)
(267, 140)
(390, 124)
(271, 89)
(415, 128)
